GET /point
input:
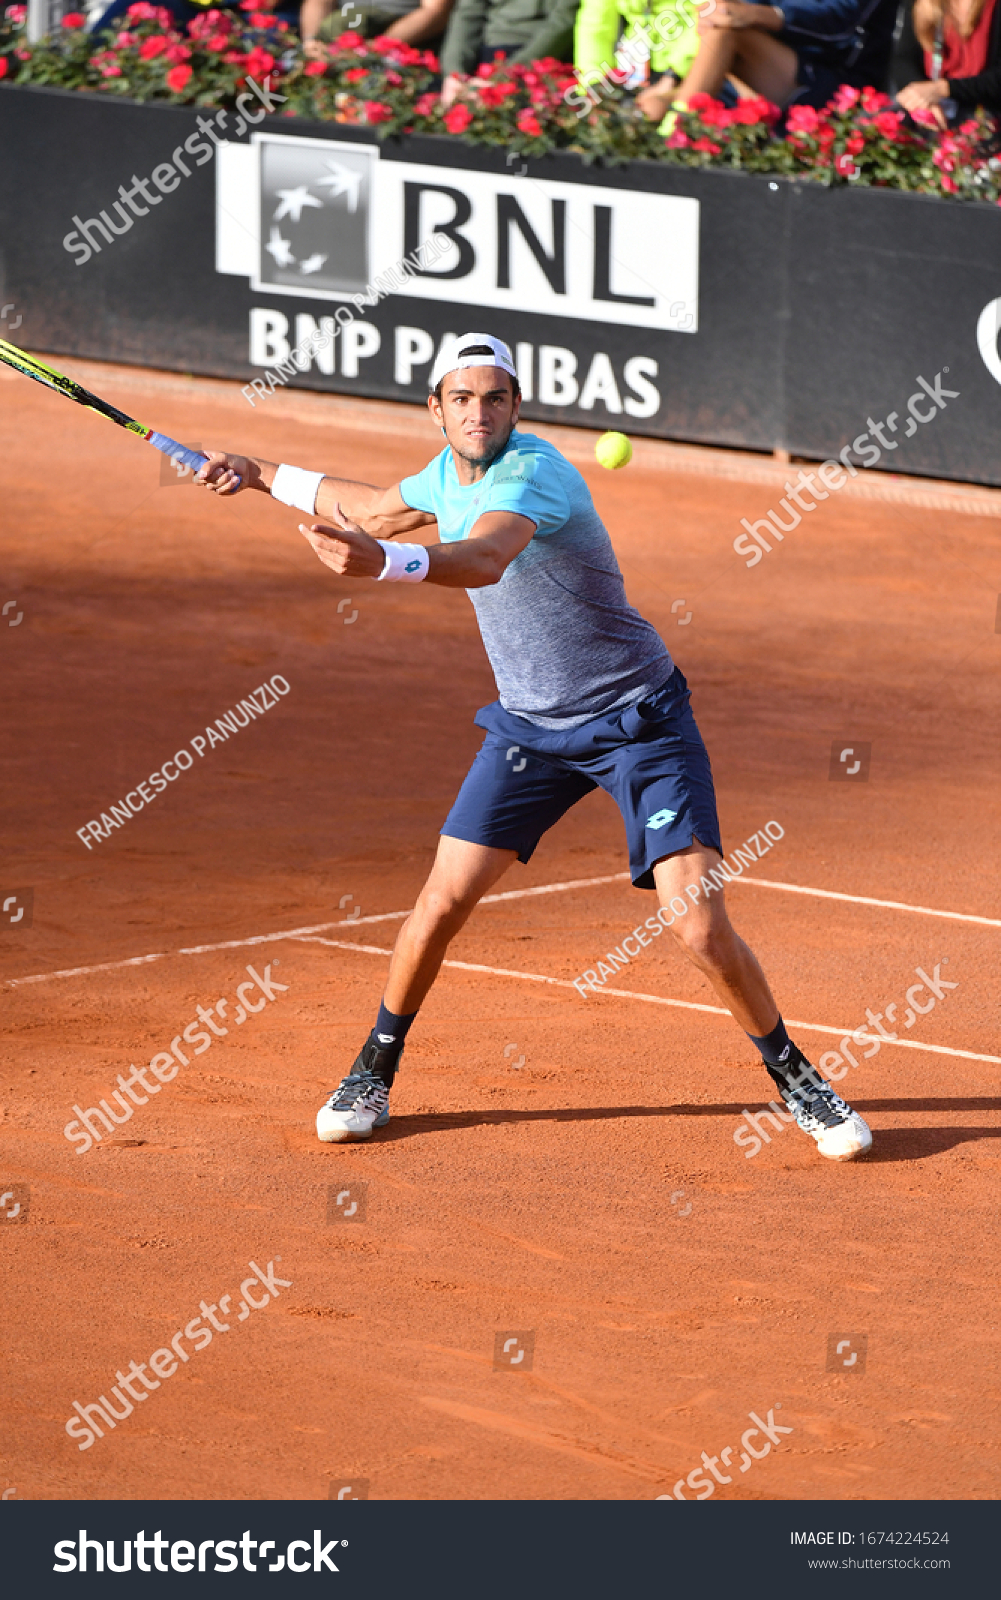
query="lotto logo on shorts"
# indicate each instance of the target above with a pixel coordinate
(660, 819)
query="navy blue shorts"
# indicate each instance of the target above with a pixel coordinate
(650, 758)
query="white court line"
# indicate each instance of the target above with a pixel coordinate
(662, 1000)
(488, 899)
(300, 933)
(864, 900)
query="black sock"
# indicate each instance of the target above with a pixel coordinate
(388, 1036)
(775, 1047)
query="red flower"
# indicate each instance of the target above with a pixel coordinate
(16, 14)
(845, 166)
(747, 111)
(826, 136)
(394, 79)
(527, 122)
(348, 41)
(124, 39)
(424, 106)
(152, 47)
(873, 101)
(888, 124)
(315, 69)
(356, 74)
(177, 78)
(111, 72)
(948, 185)
(384, 46)
(3, 66)
(458, 118)
(261, 19)
(677, 140)
(698, 102)
(494, 94)
(855, 143)
(378, 111)
(845, 98)
(485, 70)
(74, 19)
(707, 145)
(177, 52)
(258, 63)
(803, 119)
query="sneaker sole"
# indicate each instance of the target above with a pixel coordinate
(861, 1145)
(350, 1136)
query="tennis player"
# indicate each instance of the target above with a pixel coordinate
(588, 697)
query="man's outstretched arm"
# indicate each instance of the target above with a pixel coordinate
(383, 513)
(471, 563)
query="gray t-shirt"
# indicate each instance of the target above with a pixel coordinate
(564, 643)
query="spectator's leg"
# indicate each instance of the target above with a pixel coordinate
(759, 59)
(427, 21)
(311, 15)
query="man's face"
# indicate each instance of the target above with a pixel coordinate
(478, 410)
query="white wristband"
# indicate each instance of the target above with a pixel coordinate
(294, 486)
(405, 563)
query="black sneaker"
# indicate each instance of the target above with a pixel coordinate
(360, 1103)
(839, 1132)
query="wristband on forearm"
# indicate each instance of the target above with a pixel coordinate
(405, 563)
(294, 486)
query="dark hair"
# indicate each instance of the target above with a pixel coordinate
(479, 350)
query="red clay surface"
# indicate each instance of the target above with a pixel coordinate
(549, 1196)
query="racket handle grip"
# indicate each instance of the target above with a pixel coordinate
(178, 452)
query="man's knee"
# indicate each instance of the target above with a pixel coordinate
(705, 940)
(447, 905)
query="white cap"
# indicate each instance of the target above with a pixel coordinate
(472, 350)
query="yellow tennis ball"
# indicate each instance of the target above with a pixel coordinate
(613, 450)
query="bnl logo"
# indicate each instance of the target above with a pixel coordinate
(514, 1351)
(850, 760)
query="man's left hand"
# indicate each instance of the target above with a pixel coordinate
(345, 549)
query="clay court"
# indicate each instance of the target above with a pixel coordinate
(555, 1165)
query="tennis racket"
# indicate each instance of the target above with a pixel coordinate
(23, 363)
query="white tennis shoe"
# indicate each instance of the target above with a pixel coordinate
(839, 1132)
(358, 1105)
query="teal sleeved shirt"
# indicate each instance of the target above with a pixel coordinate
(564, 643)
